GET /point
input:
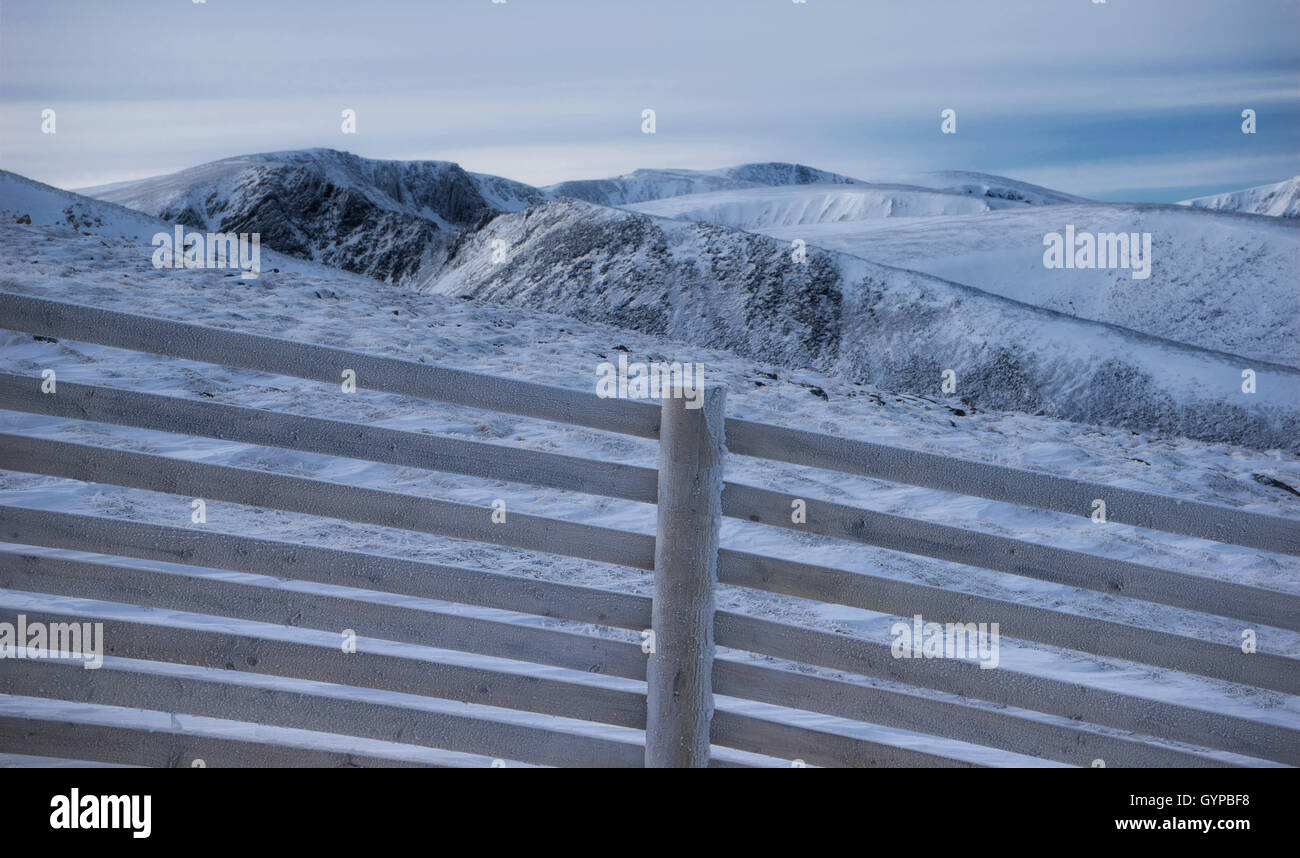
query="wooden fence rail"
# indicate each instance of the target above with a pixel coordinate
(630, 482)
(466, 687)
(297, 494)
(746, 438)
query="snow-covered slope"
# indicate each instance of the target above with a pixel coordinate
(1277, 200)
(25, 201)
(391, 220)
(757, 208)
(987, 185)
(312, 303)
(896, 329)
(644, 185)
(1219, 281)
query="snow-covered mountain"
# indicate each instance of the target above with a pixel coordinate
(1218, 281)
(644, 185)
(53, 215)
(1278, 200)
(391, 220)
(896, 329)
(23, 201)
(435, 190)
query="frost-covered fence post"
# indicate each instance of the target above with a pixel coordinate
(679, 673)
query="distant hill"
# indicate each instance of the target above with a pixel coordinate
(987, 186)
(1278, 200)
(644, 185)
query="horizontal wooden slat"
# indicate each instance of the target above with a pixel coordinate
(160, 687)
(1002, 554)
(1014, 688)
(894, 532)
(268, 656)
(70, 578)
(153, 588)
(31, 578)
(266, 557)
(328, 437)
(739, 501)
(197, 594)
(215, 549)
(1013, 485)
(817, 747)
(824, 584)
(747, 438)
(324, 363)
(29, 761)
(750, 503)
(159, 639)
(316, 497)
(353, 440)
(1046, 563)
(114, 582)
(952, 719)
(1218, 659)
(90, 738)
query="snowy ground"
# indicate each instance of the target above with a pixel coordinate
(316, 304)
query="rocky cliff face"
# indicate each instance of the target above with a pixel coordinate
(391, 220)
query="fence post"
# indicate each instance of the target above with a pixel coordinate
(679, 674)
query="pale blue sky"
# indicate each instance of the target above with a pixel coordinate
(1128, 99)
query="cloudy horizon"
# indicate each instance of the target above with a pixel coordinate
(1113, 101)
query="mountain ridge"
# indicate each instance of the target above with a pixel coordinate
(1280, 199)
(387, 219)
(890, 327)
(893, 328)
